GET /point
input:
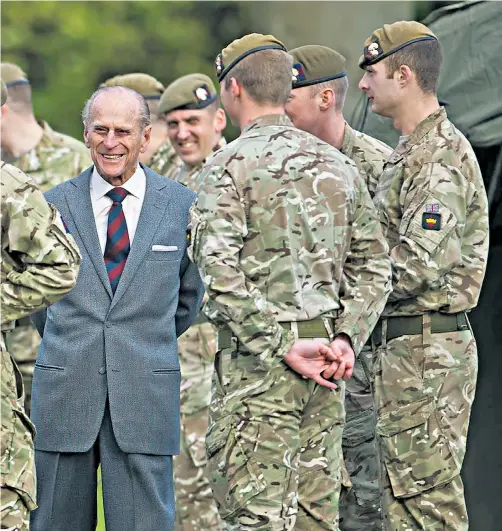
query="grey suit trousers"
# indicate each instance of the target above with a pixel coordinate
(137, 488)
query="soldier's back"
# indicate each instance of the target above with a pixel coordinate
(299, 199)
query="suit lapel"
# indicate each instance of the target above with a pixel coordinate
(79, 203)
(154, 206)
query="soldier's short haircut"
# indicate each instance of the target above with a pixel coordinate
(425, 59)
(20, 98)
(144, 111)
(265, 75)
(340, 88)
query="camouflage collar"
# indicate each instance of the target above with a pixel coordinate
(267, 120)
(349, 137)
(423, 128)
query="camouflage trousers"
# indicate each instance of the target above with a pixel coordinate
(274, 447)
(18, 483)
(195, 506)
(360, 505)
(424, 389)
(22, 343)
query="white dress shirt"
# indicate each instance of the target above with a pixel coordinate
(131, 205)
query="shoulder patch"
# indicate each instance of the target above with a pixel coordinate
(431, 221)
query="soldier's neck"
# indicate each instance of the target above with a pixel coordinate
(332, 130)
(157, 138)
(21, 137)
(253, 112)
(409, 115)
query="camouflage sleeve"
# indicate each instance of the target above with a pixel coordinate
(366, 274)
(46, 259)
(219, 229)
(431, 230)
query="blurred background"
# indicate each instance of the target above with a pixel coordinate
(68, 48)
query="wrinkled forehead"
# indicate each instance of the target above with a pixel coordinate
(115, 109)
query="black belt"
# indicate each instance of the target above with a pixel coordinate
(413, 325)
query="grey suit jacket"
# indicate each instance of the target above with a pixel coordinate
(124, 346)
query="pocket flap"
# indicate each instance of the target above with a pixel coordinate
(217, 436)
(405, 417)
(359, 429)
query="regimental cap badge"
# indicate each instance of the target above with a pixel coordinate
(298, 73)
(373, 50)
(202, 93)
(219, 64)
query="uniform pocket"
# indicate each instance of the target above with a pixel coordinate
(234, 474)
(18, 459)
(415, 451)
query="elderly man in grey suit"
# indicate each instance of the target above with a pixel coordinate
(106, 384)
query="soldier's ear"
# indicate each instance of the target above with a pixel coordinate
(86, 138)
(220, 120)
(404, 75)
(326, 99)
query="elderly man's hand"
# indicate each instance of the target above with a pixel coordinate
(310, 358)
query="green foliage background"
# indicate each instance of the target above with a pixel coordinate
(68, 48)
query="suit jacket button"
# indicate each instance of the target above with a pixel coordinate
(108, 325)
(102, 370)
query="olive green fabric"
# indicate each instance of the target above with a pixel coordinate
(314, 64)
(240, 48)
(195, 91)
(391, 38)
(146, 85)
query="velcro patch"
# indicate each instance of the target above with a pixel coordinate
(431, 221)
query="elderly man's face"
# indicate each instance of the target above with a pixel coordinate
(115, 137)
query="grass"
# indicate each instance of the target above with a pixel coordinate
(101, 514)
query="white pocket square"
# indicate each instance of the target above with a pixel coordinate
(164, 248)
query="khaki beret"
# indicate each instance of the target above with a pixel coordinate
(195, 91)
(12, 75)
(4, 92)
(146, 85)
(314, 64)
(240, 48)
(391, 38)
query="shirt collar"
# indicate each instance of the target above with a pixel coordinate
(268, 119)
(136, 185)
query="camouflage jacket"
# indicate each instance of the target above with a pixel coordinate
(39, 261)
(278, 212)
(368, 153)
(55, 159)
(165, 160)
(188, 176)
(433, 208)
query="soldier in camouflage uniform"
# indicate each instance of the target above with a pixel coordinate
(151, 89)
(316, 105)
(433, 209)
(49, 158)
(39, 264)
(280, 218)
(195, 121)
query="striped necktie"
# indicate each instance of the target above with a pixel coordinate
(117, 242)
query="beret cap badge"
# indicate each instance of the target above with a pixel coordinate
(219, 64)
(202, 93)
